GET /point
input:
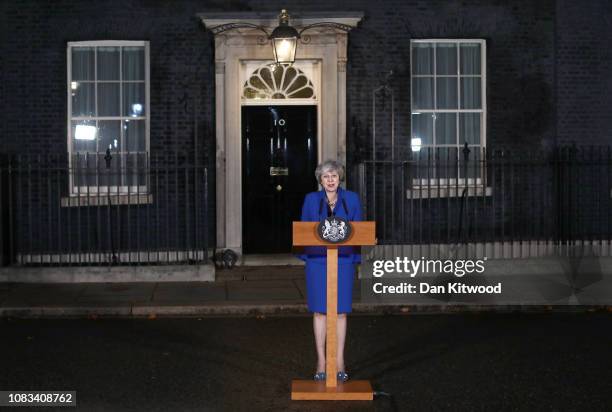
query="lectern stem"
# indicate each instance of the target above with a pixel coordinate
(331, 341)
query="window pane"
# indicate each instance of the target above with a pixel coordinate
(290, 74)
(136, 164)
(470, 58)
(422, 93)
(470, 93)
(108, 63)
(446, 92)
(84, 136)
(424, 163)
(133, 63)
(110, 136)
(305, 93)
(84, 170)
(134, 132)
(83, 63)
(446, 58)
(300, 82)
(469, 128)
(471, 168)
(446, 163)
(446, 128)
(422, 58)
(277, 73)
(109, 175)
(83, 99)
(108, 99)
(422, 128)
(133, 99)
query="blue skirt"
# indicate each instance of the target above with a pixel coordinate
(316, 286)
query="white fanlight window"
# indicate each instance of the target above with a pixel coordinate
(270, 83)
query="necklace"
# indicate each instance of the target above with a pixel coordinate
(332, 203)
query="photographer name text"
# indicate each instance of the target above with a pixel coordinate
(424, 287)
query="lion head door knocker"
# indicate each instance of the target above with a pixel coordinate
(334, 229)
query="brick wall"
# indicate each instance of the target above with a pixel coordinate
(547, 68)
(35, 67)
(584, 81)
(520, 64)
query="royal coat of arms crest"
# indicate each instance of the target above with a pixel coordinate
(334, 229)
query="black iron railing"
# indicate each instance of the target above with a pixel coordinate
(527, 203)
(104, 209)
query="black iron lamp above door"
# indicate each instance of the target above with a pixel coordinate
(284, 40)
(284, 37)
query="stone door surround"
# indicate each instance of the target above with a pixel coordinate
(326, 45)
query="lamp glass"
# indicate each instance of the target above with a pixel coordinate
(284, 49)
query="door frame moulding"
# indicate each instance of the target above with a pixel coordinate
(326, 45)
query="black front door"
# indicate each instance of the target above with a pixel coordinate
(279, 157)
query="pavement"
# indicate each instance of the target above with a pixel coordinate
(242, 291)
(239, 291)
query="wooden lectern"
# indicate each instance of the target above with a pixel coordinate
(305, 234)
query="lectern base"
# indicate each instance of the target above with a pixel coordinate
(307, 390)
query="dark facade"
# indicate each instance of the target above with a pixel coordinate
(548, 81)
(549, 55)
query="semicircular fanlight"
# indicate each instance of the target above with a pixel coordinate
(278, 82)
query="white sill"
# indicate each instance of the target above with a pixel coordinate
(106, 200)
(434, 192)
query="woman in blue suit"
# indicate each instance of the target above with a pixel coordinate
(318, 205)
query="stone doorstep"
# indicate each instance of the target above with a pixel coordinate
(276, 260)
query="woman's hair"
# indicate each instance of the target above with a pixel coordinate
(328, 166)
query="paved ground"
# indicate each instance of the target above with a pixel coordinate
(247, 291)
(240, 291)
(505, 362)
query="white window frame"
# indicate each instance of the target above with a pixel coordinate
(97, 190)
(425, 183)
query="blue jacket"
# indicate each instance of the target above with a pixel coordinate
(315, 209)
